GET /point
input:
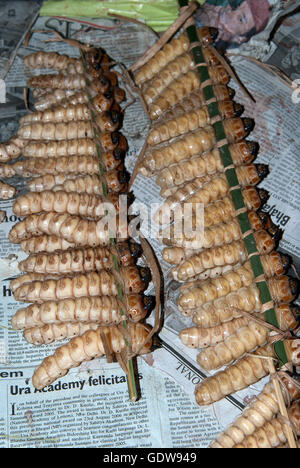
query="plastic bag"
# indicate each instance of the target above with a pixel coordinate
(157, 14)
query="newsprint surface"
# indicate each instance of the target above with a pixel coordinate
(89, 407)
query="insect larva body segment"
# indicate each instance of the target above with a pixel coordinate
(87, 347)
(78, 260)
(102, 97)
(180, 66)
(214, 236)
(220, 256)
(203, 337)
(74, 229)
(102, 283)
(204, 165)
(113, 181)
(274, 264)
(45, 243)
(80, 147)
(49, 60)
(91, 206)
(169, 52)
(58, 114)
(56, 332)
(7, 191)
(77, 164)
(215, 212)
(59, 81)
(61, 165)
(29, 278)
(196, 100)
(52, 131)
(188, 121)
(180, 89)
(243, 341)
(273, 433)
(187, 175)
(261, 410)
(192, 144)
(247, 371)
(104, 310)
(12, 148)
(209, 290)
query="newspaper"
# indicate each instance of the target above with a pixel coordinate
(16, 17)
(89, 407)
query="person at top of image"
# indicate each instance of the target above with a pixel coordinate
(236, 20)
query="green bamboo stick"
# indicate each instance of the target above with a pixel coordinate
(236, 194)
(131, 382)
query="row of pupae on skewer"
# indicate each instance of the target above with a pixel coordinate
(218, 289)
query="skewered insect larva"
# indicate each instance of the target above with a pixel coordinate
(81, 147)
(227, 308)
(87, 347)
(102, 97)
(192, 144)
(45, 243)
(29, 278)
(108, 120)
(50, 60)
(59, 81)
(56, 332)
(188, 121)
(283, 289)
(83, 204)
(178, 90)
(273, 433)
(169, 52)
(214, 236)
(103, 283)
(110, 159)
(247, 371)
(209, 164)
(74, 229)
(62, 165)
(274, 264)
(219, 256)
(12, 148)
(243, 341)
(80, 260)
(199, 292)
(211, 190)
(7, 191)
(180, 66)
(202, 337)
(68, 81)
(196, 100)
(113, 181)
(261, 410)
(222, 210)
(53, 131)
(58, 114)
(104, 310)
